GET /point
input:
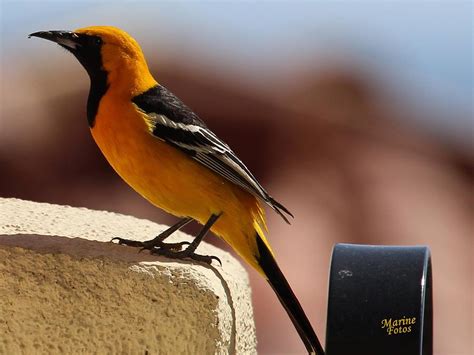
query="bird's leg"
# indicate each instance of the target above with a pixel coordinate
(189, 252)
(158, 241)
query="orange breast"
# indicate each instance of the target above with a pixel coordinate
(162, 174)
(171, 180)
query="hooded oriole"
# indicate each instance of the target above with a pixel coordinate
(166, 153)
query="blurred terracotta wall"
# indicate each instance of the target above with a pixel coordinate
(332, 151)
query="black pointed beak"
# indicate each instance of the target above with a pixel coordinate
(67, 39)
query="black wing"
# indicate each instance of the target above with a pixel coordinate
(173, 122)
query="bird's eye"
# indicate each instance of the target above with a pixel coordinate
(97, 41)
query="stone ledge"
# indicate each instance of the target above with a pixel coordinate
(63, 290)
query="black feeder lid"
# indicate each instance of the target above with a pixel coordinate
(380, 301)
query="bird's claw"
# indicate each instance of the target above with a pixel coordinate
(165, 246)
(205, 258)
(184, 254)
(152, 245)
(170, 250)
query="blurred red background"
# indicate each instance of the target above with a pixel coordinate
(329, 138)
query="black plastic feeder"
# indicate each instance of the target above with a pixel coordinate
(380, 301)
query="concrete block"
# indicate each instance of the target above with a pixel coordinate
(64, 289)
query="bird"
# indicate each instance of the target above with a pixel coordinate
(167, 154)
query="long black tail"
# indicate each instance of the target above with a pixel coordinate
(288, 299)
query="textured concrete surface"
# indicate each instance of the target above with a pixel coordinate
(63, 290)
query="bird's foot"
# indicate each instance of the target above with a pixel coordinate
(152, 245)
(175, 250)
(185, 254)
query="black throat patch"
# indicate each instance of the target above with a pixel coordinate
(88, 52)
(97, 90)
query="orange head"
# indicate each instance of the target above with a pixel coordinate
(107, 53)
